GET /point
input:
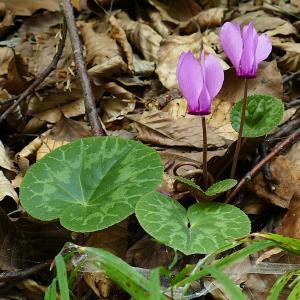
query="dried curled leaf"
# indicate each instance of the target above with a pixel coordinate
(102, 52)
(6, 189)
(141, 35)
(176, 11)
(205, 19)
(119, 35)
(159, 128)
(28, 7)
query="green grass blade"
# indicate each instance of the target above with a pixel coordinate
(123, 274)
(51, 291)
(229, 260)
(62, 277)
(295, 293)
(231, 288)
(280, 284)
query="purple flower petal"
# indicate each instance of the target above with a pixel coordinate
(248, 65)
(264, 48)
(205, 101)
(231, 41)
(214, 75)
(190, 80)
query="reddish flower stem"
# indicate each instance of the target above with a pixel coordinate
(239, 141)
(204, 163)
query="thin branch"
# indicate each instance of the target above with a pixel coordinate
(261, 164)
(41, 77)
(20, 275)
(89, 99)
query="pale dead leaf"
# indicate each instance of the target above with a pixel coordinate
(6, 23)
(293, 156)
(5, 161)
(282, 170)
(119, 35)
(6, 189)
(142, 67)
(28, 7)
(290, 224)
(205, 19)
(115, 109)
(73, 109)
(102, 52)
(141, 35)
(176, 108)
(63, 132)
(176, 11)
(161, 129)
(147, 253)
(158, 24)
(40, 23)
(10, 77)
(264, 22)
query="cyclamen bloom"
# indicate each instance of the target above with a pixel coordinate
(245, 49)
(199, 83)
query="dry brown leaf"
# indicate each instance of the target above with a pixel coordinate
(39, 57)
(10, 73)
(141, 35)
(293, 156)
(40, 23)
(291, 60)
(290, 224)
(119, 35)
(63, 132)
(205, 19)
(176, 11)
(6, 23)
(147, 253)
(28, 7)
(264, 22)
(159, 128)
(5, 161)
(6, 189)
(102, 52)
(157, 23)
(282, 170)
(72, 109)
(142, 67)
(53, 97)
(115, 109)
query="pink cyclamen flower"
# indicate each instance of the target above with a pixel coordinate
(245, 49)
(199, 82)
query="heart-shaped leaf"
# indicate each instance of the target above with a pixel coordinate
(203, 228)
(212, 192)
(92, 183)
(263, 115)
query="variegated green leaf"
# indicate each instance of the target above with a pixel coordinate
(92, 183)
(263, 114)
(212, 192)
(221, 187)
(203, 228)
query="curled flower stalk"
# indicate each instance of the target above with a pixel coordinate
(245, 49)
(200, 82)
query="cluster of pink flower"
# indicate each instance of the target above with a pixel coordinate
(201, 81)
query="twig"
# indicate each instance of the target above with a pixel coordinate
(89, 99)
(292, 76)
(260, 165)
(41, 77)
(20, 275)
